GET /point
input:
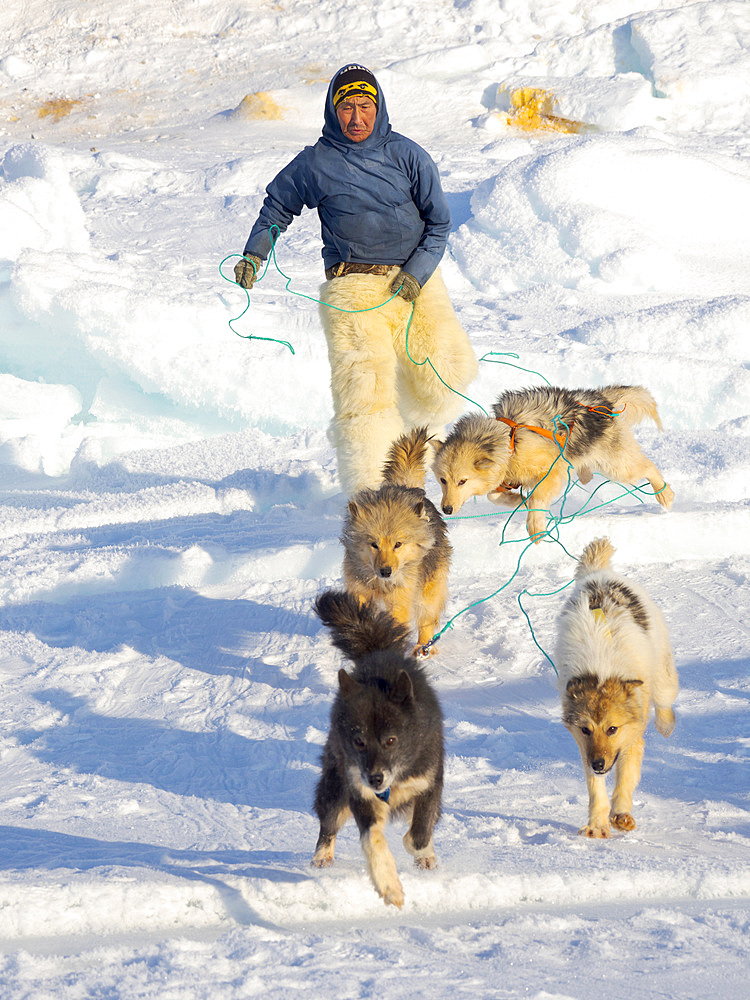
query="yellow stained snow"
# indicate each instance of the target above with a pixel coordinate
(314, 73)
(259, 106)
(531, 109)
(57, 108)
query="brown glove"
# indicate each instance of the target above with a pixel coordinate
(247, 270)
(406, 285)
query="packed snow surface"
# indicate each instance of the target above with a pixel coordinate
(169, 506)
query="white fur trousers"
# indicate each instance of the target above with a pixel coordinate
(381, 385)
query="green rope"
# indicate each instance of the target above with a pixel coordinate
(311, 298)
(274, 232)
(550, 593)
(249, 336)
(550, 533)
(490, 355)
(428, 361)
(474, 604)
(532, 541)
(553, 523)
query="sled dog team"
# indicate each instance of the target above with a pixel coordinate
(383, 757)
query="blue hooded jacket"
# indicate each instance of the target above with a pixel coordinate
(379, 201)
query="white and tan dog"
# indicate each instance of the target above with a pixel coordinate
(614, 661)
(522, 447)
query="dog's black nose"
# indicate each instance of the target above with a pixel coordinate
(447, 509)
(385, 570)
(375, 778)
(597, 765)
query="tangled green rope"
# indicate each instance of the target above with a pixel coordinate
(554, 522)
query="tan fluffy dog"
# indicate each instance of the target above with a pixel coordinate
(397, 552)
(521, 448)
(614, 661)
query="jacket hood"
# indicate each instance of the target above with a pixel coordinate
(332, 134)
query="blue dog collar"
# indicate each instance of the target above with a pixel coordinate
(383, 796)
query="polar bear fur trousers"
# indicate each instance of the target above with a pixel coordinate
(388, 374)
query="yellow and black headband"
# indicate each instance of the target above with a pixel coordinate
(352, 89)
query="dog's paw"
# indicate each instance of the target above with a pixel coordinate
(665, 496)
(501, 498)
(426, 853)
(664, 721)
(382, 867)
(419, 651)
(322, 859)
(595, 832)
(536, 525)
(427, 864)
(393, 894)
(622, 821)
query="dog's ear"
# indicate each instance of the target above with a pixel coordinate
(437, 446)
(353, 508)
(483, 463)
(347, 684)
(403, 690)
(420, 511)
(573, 688)
(630, 687)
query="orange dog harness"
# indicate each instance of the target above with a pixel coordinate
(560, 437)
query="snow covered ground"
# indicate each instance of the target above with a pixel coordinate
(169, 507)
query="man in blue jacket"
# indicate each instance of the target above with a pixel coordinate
(384, 224)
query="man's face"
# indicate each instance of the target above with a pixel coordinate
(356, 117)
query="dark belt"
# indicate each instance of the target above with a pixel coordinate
(342, 268)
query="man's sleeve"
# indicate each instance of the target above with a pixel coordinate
(286, 196)
(428, 196)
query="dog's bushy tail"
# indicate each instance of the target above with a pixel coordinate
(358, 630)
(596, 555)
(638, 402)
(405, 463)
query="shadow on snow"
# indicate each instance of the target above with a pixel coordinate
(219, 765)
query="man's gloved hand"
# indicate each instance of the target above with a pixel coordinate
(247, 270)
(406, 285)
